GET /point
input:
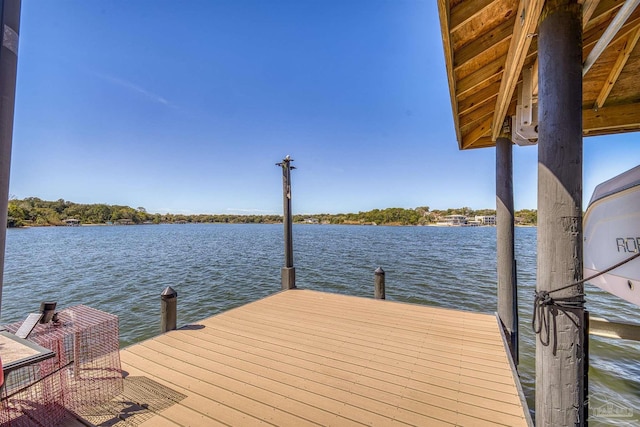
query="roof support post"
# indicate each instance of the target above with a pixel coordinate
(9, 30)
(507, 287)
(560, 343)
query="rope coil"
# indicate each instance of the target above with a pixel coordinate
(545, 307)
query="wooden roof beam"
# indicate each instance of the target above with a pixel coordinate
(618, 118)
(616, 24)
(465, 12)
(445, 22)
(525, 26)
(621, 61)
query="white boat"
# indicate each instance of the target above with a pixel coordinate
(612, 234)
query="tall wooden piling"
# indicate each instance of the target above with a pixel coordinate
(10, 29)
(507, 287)
(168, 310)
(288, 272)
(560, 353)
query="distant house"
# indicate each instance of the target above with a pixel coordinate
(486, 219)
(453, 221)
(311, 221)
(72, 222)
(125, 221)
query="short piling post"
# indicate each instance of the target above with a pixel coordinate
(168, 310)
(379, 286)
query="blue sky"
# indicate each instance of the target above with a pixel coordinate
(186, 106)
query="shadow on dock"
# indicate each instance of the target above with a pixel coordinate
(141, 399)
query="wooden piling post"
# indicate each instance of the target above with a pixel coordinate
(379, 283)
(288, 272)
(507, 288)
(561, 352)
(9, 30)
(168, 309)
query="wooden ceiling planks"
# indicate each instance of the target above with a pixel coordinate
(478, 98)
(445, 23)
(588, 9)
(465, 11)
(625, 89)
(628, 46)
(494, 53)
(485, 20)
(482, 129)
(604, 11)
(590, 37)
(598, 75)
(489, 42)
(480, 76)
(480, 114)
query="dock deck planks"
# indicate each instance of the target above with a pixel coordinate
(303, 357)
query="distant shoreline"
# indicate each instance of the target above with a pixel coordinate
(33, 211)
(265, 223)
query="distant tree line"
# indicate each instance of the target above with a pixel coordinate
(33, 211)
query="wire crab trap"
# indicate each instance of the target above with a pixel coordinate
(85, 371)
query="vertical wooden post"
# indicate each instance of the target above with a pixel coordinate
(168, 310)
(560, 355)
(9, 30)
(288, 272)
(379, 284)
(507, 290)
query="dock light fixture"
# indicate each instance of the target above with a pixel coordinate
(288, 272)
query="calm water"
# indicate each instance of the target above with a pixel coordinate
(123, 270)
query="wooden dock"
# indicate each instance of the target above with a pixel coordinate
(303, 357)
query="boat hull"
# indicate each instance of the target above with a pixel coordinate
(612, 235)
